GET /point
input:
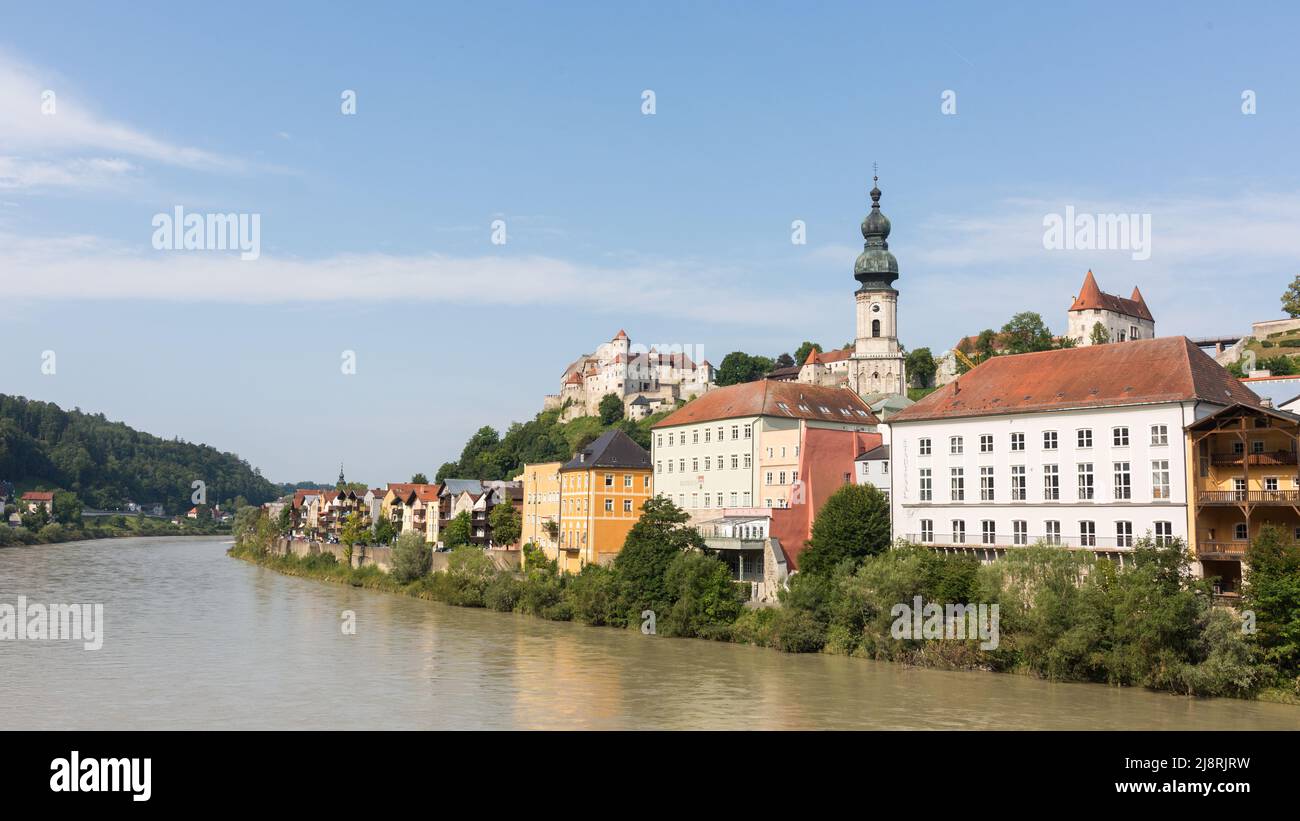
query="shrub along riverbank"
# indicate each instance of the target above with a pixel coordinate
(105, 527)
(1063, 614)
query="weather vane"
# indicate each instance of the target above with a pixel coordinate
(875, 172)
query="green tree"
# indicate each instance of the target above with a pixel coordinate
(705, 599)
(285, 521)
(385, 530)
(611, 409)
(738, 367)
(1100, 336)
(353, 532)
(1275, 365)
(1025, 333)
(921, 367)
(854, 523)
(1291, 298)
(419, 479)
(459, 530)
(658, 537)
(1272, 592)
(801, 353)
(67, 508)
(506, 524)
(411, 558)
(785, 360)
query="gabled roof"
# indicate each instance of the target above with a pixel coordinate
(38, 496)
(770, 397)
(816, 357)
(454, 487)
(1168, 369)
(876, 454)
(612, 449)
(1238, 410)
(1091, 297)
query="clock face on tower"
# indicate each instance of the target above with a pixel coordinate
(875, 308)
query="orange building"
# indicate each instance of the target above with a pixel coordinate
(602, 491)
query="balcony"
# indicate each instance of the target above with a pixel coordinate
(1002, 541)
(1248, 497)
(1221, 550)
(733, 543)
(1276, 458)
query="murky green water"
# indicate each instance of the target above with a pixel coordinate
(194, 639)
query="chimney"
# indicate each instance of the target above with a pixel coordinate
(1266, 402)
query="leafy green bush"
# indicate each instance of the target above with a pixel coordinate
(593, 597)
(705, 599)
(502, 593)
(411, 557)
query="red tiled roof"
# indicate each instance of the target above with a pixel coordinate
(38, 496)
(1091, 297)
(1168, 369)
(768, 397)
(816, 357)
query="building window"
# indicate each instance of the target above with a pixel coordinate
(749, 461)
(1240, 531)
(958, 484)
(955, 446)
(1085, 437)
(682, 465)
(1123, 534)
(1017, 483)
(1160, 479)
(1121, 437)
(735, 462)
(989, 531)
(670, 440)
(986, 443)
(958, 531)
(1017, 441)
(768, 477)
(1087, 534)
(1123, 482)
(695, 464)
(733, 498)
(1164, 533)
(1159, 434)
(875, 327)
(609, 505)
(1052, 532)
(735, 432)
(924, 446)
(1020, 532)
(749, 431)
(1271, 484)
(1051, 483)
(695, 437)
(986, 484)
(927, 530)
(708, 435)
(926, 487)
(1049, 440)
(1085, 482)
(645, 482)
(659, 440)
(627, 479)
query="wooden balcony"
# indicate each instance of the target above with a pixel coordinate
(1248, 497)
(1221, 550)
(1272, 459)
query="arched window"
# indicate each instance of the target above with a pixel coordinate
(875, 327)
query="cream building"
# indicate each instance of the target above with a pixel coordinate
(541, 488)
(1123, 320)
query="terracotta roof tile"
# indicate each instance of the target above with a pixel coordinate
(768, 397)
(1091, 297)
(1168, 369)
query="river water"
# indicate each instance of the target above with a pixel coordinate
(195, 640)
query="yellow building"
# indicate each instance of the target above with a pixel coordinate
(1242, 475)
(602, 491)
(541, 504)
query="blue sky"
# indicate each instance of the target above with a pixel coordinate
(675, 226)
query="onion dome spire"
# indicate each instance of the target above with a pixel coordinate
(876, 267)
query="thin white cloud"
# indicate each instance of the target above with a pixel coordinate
(22, 173)
(31, 130)
(84, 267)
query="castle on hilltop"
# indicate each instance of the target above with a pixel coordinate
(646, 380)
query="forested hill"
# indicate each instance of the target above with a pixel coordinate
(108, 463)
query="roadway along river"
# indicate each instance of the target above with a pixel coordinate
(194, 639)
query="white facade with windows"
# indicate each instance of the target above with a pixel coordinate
(1097, 478)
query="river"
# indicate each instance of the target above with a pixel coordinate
(197, 640)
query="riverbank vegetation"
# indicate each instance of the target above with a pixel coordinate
(1063, 615)
(105, 527)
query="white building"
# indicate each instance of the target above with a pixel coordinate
(1080, 447)
(1123, 320)
(872, 468)
(647, 380)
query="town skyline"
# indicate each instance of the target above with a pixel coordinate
(667, 224)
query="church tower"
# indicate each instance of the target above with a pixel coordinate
(876, 366)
